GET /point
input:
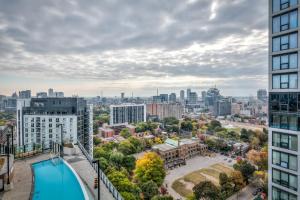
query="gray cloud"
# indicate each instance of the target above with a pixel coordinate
(113, 40)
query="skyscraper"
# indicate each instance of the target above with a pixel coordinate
(172, 98)
(262, 94)
(182, 95)
(284, 100)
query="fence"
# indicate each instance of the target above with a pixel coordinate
(103, 177)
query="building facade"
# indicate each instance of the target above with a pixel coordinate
(262, 94)
(172, 98)
(176, 153)
(42, 120)
(127, 114)
(163, 110)
(284, 100)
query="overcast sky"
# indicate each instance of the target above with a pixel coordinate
(85, 47)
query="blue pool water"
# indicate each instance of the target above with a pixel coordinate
(56, 180)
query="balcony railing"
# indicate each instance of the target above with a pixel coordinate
(103, 177)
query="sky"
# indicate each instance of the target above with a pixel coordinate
(112, 46)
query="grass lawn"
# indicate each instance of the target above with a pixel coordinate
(223, 168)
(180, 188)
(194, 177)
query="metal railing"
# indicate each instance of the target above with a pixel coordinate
(115, 193)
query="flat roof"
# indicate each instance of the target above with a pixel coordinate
(163, 147)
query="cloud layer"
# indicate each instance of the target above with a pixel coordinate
(132, 45)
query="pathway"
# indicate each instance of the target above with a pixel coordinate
(86, 172)
(22, 178)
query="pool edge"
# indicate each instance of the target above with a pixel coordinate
(86, 197)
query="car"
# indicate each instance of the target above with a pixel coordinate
(230, 161)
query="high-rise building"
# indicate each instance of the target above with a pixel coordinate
(203, 95)
(39, 121)
(182, 95)
(50, 92)
(122, 95)
(164, 97)
(284, 101)
(163, 110)
(193, 98)
(127, 113)
(262, 94)
(222, 107)
(188, 93)
(26, 94)
(172, 98)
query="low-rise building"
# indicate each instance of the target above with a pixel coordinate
(106, 132)
(175, 152)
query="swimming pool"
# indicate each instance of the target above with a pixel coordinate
(55, 179)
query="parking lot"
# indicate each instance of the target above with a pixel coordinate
(193, 164)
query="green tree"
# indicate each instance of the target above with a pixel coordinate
(237, 180)
(126, 147)
(150, 167)
(125, 133)
(226, 185)
(116, 158)
(149, 189)
(245, 168)
(244, 135)
(138, 144)
(96, 141)
(206, 190)
(186, 126)
(129, 162)
(170, 121)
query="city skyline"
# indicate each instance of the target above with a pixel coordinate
(121, 47)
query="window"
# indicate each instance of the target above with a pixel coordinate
(283, 4)
(285, 179)
(285, 42)
(285, 81)
(285, 141)
(286, 61)
(278, 194)
(284, 160)
(285, 21)
(288, 122)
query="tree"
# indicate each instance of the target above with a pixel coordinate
(96, 141)
(129, 162)
(126, 147)
(187, 126)
(245, 168)
(123, 184)
(244, 135)
(237, 180)
(116, 158)
(125, 133)
(149, 189)
(226, 185)
(150, 167)
(170, 121)
(137, 143)
(259, 158)
(206, 190)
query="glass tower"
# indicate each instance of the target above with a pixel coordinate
(284, 100)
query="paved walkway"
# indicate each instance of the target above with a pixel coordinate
(22, 178)
(86, 172)
(244, 194)
(192, 164)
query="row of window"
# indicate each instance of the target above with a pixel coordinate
(288, 122)
(285, 179)
(285, 61)
(283, 4)
(284, 160)
(285, 22)
(278, 194)
(44, 120)
(285, 42)
(284, 102)
(285, 141)
(285, 81)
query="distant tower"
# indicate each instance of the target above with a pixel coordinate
(50, 92)
(181, 95)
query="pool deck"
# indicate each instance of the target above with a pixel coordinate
(22, 178)
(86, 172)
